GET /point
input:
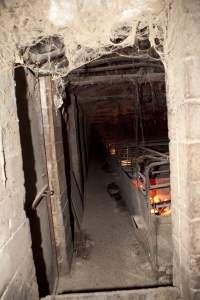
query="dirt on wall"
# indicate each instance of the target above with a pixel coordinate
(89, 28)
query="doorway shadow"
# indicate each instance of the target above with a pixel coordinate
(30, 177)
(67, 157)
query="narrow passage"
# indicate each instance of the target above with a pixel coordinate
(109, 255)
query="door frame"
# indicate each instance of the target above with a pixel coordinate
(63, 254)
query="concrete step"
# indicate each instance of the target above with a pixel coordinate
(160, 293)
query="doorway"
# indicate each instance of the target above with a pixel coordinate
(117, 117)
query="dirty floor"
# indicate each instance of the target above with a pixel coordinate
(109, 255)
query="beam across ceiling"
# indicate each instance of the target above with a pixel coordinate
(116, 98)
(86, 70)
(138, 77)
(137, 57)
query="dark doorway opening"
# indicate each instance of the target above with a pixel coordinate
(121, 164)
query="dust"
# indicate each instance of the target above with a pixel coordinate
(89, 29)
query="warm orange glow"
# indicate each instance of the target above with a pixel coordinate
(160, 196)
(112, 151)
(138, 184)
(125, 162)
(156, 196)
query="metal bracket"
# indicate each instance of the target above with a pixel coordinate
(44, 192)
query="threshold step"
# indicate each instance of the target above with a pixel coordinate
(160, 293)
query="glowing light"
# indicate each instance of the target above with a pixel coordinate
(160, 196)
(112, 151)
(156, 196)
(125, 162)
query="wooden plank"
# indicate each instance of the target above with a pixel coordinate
(97, 98)
(132, 66)
(147, 77)
(52, 133)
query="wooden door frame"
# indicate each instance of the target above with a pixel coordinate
(47, 104)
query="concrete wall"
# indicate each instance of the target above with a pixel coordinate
(183, 88)
(17, 279)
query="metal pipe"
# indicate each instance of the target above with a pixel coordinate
(147, 170)
(159, 186)
(162, 204)
(160, 172)
(156, 152)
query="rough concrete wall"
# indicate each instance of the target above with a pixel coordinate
(17, 280)
(183, 73)
(28, 21)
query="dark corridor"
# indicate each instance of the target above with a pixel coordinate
(119, 156)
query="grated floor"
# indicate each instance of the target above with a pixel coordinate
(109, 256)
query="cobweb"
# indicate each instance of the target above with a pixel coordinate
(89, 28)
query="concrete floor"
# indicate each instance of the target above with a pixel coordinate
(161, 293)
(113, 257)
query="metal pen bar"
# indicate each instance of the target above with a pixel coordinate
(160, 172)
(156, 152)
(162, 204)
(159, 186)
(147, 171)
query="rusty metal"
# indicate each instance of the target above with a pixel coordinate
(135, 157)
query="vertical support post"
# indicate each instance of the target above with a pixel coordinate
(57, 178)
